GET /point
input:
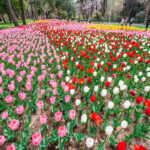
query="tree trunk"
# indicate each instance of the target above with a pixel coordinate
(2, 17)
(32, 12)
(22, 12)
(110, 11)
(147, 11)
(9, 17)
(104, 6)
(11, 12)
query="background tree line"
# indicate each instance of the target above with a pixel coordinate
(95, 10)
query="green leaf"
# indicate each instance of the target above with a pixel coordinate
(101, 146)
(116, 123)
(105, 125)
(62, 143)
(79, 137)
(93, 130)
(112, 140)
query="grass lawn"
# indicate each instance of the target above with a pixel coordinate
(9, 25)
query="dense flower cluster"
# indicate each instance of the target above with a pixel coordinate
(62, 81)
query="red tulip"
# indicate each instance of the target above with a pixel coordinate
(121, 146)
(93, 98)
(139, 99)
(147, 112)
(107, 83)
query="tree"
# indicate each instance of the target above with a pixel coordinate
(22, 12)
(128, 7)
(104, 7)
(11, 12)
(147, 9)
(2, 10)
(81, 7)
(69, 7)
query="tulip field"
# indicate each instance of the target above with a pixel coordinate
(74, 86)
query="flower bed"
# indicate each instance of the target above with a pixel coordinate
(64, 86)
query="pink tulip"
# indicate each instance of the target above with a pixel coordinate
(66, 88)
(59, 67)
(63, 84)
(67, 98)
(1, 80)
(72, 114)
(36, 139)
(60, 73)
(51, 82)
(22, 73)
(54, 91)
(19, 79)
(42, 91)
(11, 147)
(20, 109)
(52, 76)
(43, 119)
(11, 87)
(22, 95)
(62, 131)
(14, 124)
(9, 99)
(28, 86)
(40, 78)
(40, 104)
(54, 84)
(58, 116)
(42, 66)
(1, 90)
(2, 140)
(52, 100)
(5, 115)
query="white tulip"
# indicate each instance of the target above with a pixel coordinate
(102, 63)
(102, 79)
(78, 102)
(84, 118)
(135, 61)
(110, 105)
(135, 76)
(68, 71)
(143, 79)
(124, 55)
(72, 91)
(140, 73)
(147, 88)
(86, 89)
(67, 79)
(124, 124)
(103, 92)
(116, 90)
(77, 62)
(98, 59)
(89, 142)
(109, 130)
(148, 69)
(128, 67)
(123, 87)
(109, 79)
(148, 74)
(136, 79)
(94, 73)
(127, 104)
(121, 83)
(114, 66)
(95, 64)
(96, 88)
